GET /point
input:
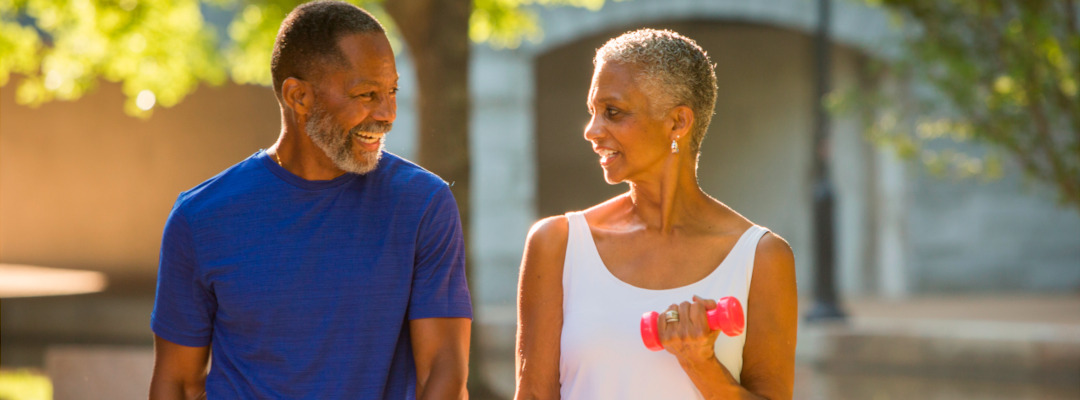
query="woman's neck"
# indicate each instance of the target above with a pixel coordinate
(672, 198)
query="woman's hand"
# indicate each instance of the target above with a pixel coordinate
(768, 367)
(689, 338)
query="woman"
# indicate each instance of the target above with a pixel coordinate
(587, 277)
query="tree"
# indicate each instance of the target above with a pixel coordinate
(1002, 72)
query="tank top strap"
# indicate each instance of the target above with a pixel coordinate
(746, 248)
(577, 223)
(580, 268)
(579, 237)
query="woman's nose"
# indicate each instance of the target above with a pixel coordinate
(592, 129)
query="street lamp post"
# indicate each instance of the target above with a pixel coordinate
(825, 298)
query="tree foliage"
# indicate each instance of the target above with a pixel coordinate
(1002, 72)
(62, 48)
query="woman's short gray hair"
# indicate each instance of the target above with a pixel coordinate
(672, 66)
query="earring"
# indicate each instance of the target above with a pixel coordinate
(674, 147)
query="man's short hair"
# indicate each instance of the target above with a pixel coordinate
(672, 67)
(307, 42)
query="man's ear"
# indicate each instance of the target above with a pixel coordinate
(297, 95)
(682, 118)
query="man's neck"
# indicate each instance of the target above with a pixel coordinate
(295, 152)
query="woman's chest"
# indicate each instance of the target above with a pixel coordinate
(652, 262)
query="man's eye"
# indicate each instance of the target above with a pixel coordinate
(366, 95)
(394, 91)
(611, 112)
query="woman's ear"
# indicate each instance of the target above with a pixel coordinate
(297, 95)
(682, 118)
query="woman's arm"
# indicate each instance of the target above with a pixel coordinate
(540, 317)
(768, 370)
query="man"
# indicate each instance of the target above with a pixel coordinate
(323, 267)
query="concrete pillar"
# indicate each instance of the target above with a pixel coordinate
(892, 245)
(504, 179)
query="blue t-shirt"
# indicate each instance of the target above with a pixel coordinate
(304, 289)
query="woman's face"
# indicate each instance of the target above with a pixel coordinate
(630, 137)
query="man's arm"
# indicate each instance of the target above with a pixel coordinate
(179, 371)
(441, 349)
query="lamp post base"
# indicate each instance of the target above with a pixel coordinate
(825, 312)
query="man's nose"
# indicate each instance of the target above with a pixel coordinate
(386, 110)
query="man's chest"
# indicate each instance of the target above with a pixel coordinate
(292, 268)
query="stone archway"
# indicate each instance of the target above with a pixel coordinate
(512, 118)
(853, 24)
(756, 155)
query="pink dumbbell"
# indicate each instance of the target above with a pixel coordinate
(727, 317)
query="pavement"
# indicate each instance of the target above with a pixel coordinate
(948, 347)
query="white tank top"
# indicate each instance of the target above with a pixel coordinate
(602, 355)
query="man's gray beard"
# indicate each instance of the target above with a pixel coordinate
(337, 144)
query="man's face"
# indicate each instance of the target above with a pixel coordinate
(355, 106)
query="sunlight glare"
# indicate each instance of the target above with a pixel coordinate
(146, 100)
(29, 280)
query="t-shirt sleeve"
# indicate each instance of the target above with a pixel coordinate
(183, 309)
(439, 287)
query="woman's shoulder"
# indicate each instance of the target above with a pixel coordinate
(553, 225)
(771, 246)
(551, 233)
(548, 232)
(545, 249)
(772, 249)
(774, 258)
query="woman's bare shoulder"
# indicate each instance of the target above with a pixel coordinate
(542, 261)
(551, 233)
(774, 261)
(552, 229)
(773, 245)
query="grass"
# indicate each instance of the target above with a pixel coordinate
(23, 384)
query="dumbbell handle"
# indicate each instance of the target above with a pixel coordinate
(727, 317)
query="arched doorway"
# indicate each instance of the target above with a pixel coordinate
(756, 155)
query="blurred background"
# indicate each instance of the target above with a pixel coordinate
(922, 158)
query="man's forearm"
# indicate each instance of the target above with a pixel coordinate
(177, 390)
(179, 371)
(441, 351)
(446, 381)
